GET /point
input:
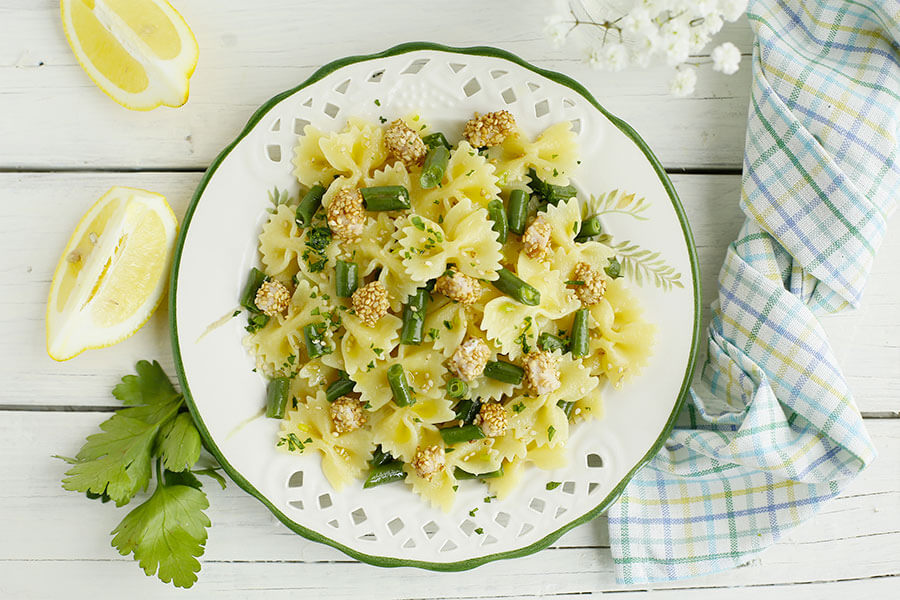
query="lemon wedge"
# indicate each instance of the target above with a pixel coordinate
(111, 275)
(141, 53)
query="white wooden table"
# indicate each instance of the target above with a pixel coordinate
(63, 143)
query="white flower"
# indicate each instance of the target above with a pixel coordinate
(676, 40)
(732, 9)
(637, 21)
(684, 82)
(616, 56)
(726, 58)
(556, 30)
(712, 23)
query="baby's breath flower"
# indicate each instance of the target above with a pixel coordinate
(684, 82)
(726, 58)
(556, 30)
(732, 9)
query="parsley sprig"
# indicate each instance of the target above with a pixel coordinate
(168, 531)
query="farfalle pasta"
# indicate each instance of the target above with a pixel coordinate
(432, 312)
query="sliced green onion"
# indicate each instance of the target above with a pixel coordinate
(457, 388)
(396, 377)
(435, 166)
(309, 205)
(504, 371)
(386, 473)
(515, 288)
(385, 197)
(498, 215)
(277, 396)
(614, 268)
(458, 435)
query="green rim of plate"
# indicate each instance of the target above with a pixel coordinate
(384, 561)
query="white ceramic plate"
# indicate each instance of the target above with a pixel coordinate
(390, 525)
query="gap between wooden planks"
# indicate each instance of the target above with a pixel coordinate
(248, 54)
(39, 210)
(49, 533)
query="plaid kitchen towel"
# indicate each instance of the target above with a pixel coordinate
(771, 431)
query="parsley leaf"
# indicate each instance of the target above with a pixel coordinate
(116, 461)
(180, 443)
(552, 485)
(167, 532)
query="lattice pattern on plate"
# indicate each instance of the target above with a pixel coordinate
(391, 521)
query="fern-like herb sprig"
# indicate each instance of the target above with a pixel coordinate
(640, 264)
(619, 201)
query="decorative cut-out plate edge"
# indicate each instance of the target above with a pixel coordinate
(552, 536)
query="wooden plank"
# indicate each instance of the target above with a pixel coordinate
(52, 536)
(249, 54)
(46, 206)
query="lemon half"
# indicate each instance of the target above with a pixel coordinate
(112, 274)
(141, 53)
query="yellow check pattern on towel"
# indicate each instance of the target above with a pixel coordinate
(771, 431)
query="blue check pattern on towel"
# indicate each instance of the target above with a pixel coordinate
(771, 431)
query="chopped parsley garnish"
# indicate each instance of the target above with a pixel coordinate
(448, 324)
(434, 334)
(518, 407)
(552, 485)
(479, 530)
(551, 431)
(293, 443)
(473, 511)
(377, 102)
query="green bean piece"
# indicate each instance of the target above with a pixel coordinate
(547, 191)
(435, 166)
(386, 473)
(380, 457)
(341, 387)
(566, 407)
(549, 342)
(396, 377)
(504, 371)
(412, 330)
(457, 388)
(614, 268)
(589, 228)
(385, 197)
(277, 396)
(498, 215)
(315, 342)
(515, 288)
(309, 205)
(436, 139)
(464, 433)
(346, 278)
(517, 215)
(467, 410)
(460, 474)
(580, 341)
(254, 280)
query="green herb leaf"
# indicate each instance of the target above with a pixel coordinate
(552, 485)
(166, 533)
(180, 443)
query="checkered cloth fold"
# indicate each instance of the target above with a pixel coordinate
(771, 430)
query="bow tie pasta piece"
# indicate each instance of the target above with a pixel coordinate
(362, 346)
(424, 372)
(539, 422)
(344, 456)
(310, 164)
(622, 341)
(282, 337)
(553, 155)
(377, 248)
(404, 429)
(469, 176)
(356, 151)
(395, 174)
(438, 490)
(281, 244)
(509, 323)
(465, 238)
(446, 324)
(475, 457)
